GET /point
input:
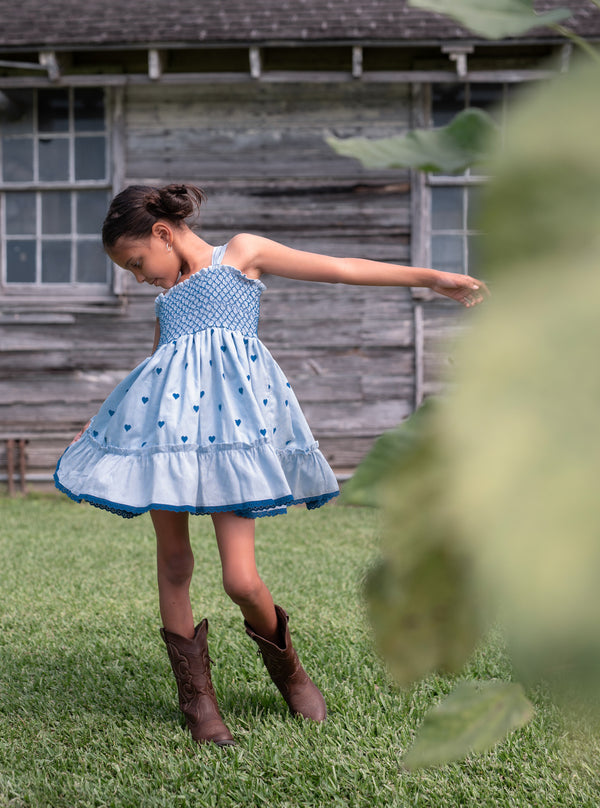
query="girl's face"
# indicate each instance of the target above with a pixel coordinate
(150, 260)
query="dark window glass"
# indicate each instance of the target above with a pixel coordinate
(89, 110)
(91, 210)
(17, 111)
(17, 159)
(90, 158)
(20, 213)
(53, 110)
(20, 261)
(92, 262)
(447, 100)
(56, 212)
(54, 159)
(56, 261)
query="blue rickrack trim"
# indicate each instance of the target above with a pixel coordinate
(249, 510)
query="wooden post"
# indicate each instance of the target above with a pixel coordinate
(10, 465)
(22, 464)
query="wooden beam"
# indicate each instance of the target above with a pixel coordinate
(49, 62)
(357, 61)
(284, 77)
(155, 64)
(458, 54)
(255, 57)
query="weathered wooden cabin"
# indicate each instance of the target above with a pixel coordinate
(237, 98)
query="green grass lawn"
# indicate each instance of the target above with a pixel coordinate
(88, 710)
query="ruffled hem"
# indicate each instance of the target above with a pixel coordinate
(252, 481)
(248, 510)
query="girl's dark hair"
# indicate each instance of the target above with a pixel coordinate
(134, 211)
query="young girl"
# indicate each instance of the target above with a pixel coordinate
(208, 424)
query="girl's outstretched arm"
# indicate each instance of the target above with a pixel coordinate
(255, 255)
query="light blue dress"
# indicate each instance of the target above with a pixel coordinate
(208, 423)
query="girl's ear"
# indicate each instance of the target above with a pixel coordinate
(162, 231)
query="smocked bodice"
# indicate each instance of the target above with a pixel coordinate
(216, 297)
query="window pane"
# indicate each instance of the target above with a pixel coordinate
(447, 208)
(53, 110)
(90, 158)
(56, 261)
(92, 262)
(89, 110)
(17, 159)
(20, 213)
(473, 207)
(488, 97)
(18, 111)
(447, 253)
(20, 261)
(56, 212)
(54, 159)
(91, 210)
(447, 100)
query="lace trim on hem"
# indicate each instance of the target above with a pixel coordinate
(249, 510)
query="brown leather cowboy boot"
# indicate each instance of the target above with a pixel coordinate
(197, 700)
(302, 696)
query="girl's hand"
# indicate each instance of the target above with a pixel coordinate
(467, 290)
(80, 433)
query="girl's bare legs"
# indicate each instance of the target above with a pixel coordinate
(175, 565)
(235, 539)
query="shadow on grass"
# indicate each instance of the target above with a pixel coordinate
(101, 688)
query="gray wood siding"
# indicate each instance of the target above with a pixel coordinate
(259, 152)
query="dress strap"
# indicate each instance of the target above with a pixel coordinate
(218, 254)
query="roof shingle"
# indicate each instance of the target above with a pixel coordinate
(118, 23)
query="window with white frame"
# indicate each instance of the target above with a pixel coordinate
(55, 189)
(453, 199)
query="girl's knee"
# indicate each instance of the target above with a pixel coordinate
(177, 566)
(243, 590)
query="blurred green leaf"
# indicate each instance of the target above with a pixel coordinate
(474, 717)
(452, 148)
(494, 20)
(423, 614)
(396, 453)
(522, 428)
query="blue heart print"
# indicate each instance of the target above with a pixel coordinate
(211, 438)
(127, 427)
(161, 424)
(145, 399)
(265, 401)
(201, 393)
(254, 357)
(196, 408)
(241, 391)
(176, 396)
(238, 421)
(184, 438)
(263, 431)
(158, 371)
(111, 412)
